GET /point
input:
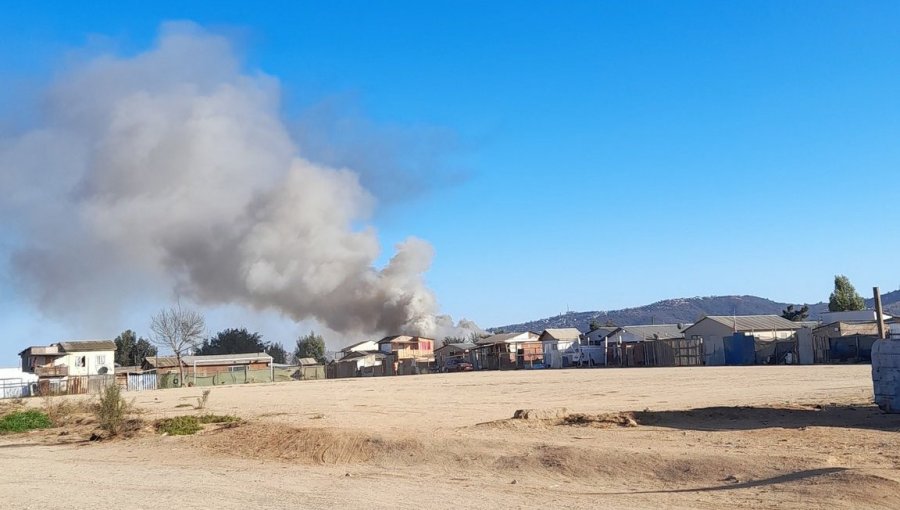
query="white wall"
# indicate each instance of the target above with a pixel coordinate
(93, 362)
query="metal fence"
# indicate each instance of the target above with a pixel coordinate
(14, 388)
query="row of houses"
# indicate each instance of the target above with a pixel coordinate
(87, 366)
(841, 337)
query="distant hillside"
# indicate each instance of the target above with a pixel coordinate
(684, 310)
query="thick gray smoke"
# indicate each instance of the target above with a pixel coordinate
(172, 169)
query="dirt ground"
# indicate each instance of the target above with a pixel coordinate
(709, 438)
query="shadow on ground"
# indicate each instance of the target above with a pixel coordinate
(749, 418)
(774, 480)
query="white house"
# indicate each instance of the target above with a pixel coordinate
(77, 358)
(364, 346)
(560, 345)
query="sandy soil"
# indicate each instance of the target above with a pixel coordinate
(736, 437)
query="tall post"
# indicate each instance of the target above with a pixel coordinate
(879, 313)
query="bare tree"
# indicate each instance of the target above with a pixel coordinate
(178, 329)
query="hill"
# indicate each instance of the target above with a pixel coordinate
(684, 310)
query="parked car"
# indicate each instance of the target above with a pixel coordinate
(457, 365)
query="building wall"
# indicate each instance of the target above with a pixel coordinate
(87, 362)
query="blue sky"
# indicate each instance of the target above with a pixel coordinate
(589, 155)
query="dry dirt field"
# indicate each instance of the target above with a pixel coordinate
(735, 437)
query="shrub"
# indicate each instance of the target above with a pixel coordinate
(179, 426)
(201, 401)
(23, 421)
(111, 409)
(187, 425)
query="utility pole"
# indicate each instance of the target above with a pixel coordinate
(879, 313)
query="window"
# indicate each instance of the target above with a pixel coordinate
(101, 359)
(79, 361)
(236, 368)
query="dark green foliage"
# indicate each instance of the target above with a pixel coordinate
(795, 314)
(23, 421)
(233, 341)
(844, 298)
(131, 350)
(311, 346)
(276, 350)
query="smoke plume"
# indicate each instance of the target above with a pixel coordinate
(171, 170)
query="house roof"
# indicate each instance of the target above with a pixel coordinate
(753, 322)
(562, 333)
(502, 337)
(354, 346)
(128, 370)
(652, 331)
(308, 361)
(602, 332)
(212, 359)
(462, 346)
(396, 339)
(87, 345)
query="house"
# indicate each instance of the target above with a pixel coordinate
(71, 358)
(846, 341)
(746, 339)
(211, 369)
(560, 346)
(463, 351)
(406, 347)
(509, 350)
(596, 336)
(362, 364)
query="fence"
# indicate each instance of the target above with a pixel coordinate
(74, 385)
(14, 388)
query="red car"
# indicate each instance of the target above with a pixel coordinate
(457, 365)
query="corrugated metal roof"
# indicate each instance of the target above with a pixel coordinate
(505, 337)
(87, 345)
(655, 331)
(754, 322)
(211, 359)
(307, 361)
(562, 333)
(357, 344)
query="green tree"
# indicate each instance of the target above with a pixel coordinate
(595, 325)
(131, 350)
(311, 346)
(795, 314)
(844, 298)
(233, 341)
(276, 350)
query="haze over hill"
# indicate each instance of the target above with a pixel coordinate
(684, 310)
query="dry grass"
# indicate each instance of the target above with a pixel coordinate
(308, 445)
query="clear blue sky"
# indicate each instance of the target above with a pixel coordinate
(603, 155)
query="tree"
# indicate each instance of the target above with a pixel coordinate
(844, 298)
(233, 341)
(311, 346)
(795, 314)
(131, 350)
(454, 340)
(595, 325)
(179, 330)
(276, 350)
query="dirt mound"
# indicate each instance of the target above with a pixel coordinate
(306, 445)
(562, 416)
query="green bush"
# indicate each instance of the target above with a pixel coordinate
(23, 421)
(111, 409)
(179, 426)
(187, 425)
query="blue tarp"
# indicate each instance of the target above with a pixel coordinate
(740, 349)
